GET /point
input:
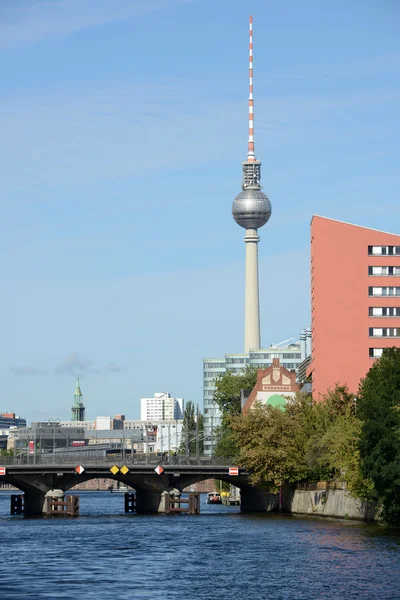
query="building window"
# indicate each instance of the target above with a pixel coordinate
(384, 311)
(392, 332)
(383, 291)
(375, 352)
(384, 271)
(383, 250)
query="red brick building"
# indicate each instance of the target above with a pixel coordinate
(273, 386)
(355, 298)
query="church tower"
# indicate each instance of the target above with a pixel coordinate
(78, 408)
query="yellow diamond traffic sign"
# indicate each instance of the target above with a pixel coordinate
(124, 470)
(114, 470)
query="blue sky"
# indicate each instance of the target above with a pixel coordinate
(123, 128)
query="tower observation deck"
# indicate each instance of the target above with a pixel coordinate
(251, 209)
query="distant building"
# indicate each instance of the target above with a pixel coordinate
(78, 409)
(87, 425)
(161, 407)
(117, 438)
(141, 436)
(290, 358)
(100, 423)
(103, 423)
(45, 437)
(274, 386)
(355, 290)
(169, 436)
(8, 420)
(118, 422)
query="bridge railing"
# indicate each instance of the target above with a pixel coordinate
(100, 458)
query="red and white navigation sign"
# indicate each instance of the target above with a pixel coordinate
(2, 470)
(233, 470)
(159, 470)
(79, 469)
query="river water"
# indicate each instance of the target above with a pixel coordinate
(104, 554)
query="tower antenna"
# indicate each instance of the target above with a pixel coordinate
(250, 144)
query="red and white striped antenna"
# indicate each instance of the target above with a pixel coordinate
(250, 145)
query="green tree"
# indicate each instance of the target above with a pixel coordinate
(200, 431)
(378, 407)
(5, 453)
(329, 416)
(226, 444)
(308, 440)
(228, 388)
(227, 396)
(192, 430)
(271, 445)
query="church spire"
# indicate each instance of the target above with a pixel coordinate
(78, 408)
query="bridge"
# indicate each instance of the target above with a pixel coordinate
(148, 475)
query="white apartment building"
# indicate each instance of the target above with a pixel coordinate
(162, 407)
(290, 357)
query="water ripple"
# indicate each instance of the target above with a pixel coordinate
(105, 554)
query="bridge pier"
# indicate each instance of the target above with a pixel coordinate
(150, 502)
(256, 500)
(34, 503)
(58, 495)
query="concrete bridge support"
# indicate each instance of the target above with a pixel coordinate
(150, 502)
(153, 502)
(33, 503)
(256, 500)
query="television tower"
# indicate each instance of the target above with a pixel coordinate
(251, 209)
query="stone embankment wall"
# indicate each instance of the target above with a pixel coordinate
(330, 503)
(318, 501)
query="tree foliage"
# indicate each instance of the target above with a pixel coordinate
(228, 387)
(227, 396)
(308, 440)
(192, 430)
(342, 437)
(4, 452)
(226, 442)
(378, 407)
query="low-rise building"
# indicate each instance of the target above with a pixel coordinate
(290, 357)
(273, 387)
(87, 425)
(45, 437)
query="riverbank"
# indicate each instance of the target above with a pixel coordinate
(331, 503)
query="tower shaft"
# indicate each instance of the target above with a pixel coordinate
(252, 301)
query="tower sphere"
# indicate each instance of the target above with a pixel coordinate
(251, 209)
